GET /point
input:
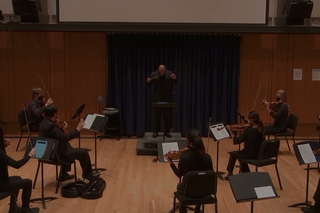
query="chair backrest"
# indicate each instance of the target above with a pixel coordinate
(199, 184)
(292, 122)
(22, 118)
(269, 149)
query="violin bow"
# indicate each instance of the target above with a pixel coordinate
(255, 101)
(75, 112)
(26, 117)
(208, 134)
(43, 85)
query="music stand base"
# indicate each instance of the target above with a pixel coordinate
(177, 208)
(43, 200)
(219, 175)
(308, 203)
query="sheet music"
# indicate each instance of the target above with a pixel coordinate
(99, 115)
(166, 147)
(264, 192)
(89, 121)
(219, 132)
(306, 153)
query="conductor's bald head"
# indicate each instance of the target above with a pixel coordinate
(161, 69)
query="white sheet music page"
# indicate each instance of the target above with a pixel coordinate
(99, 115)
(219, 131)
(166, 147)
(264, 192)
(89, 121)
(306, 153)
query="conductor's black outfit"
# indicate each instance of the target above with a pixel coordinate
(65, 151)
(162, 92)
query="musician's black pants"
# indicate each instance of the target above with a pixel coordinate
(83, 157)
(234, 156)
(157, 112)
(15, 183)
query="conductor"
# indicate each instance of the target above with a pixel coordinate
(162, 80)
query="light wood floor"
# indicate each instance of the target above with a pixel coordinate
(136, 184)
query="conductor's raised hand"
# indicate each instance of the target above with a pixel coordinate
(81, 124)
(148, 80)
(173, 76)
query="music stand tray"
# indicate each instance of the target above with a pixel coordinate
(163, 105)
(307, 152)
(50, 153)
(252, 186)
(95, 123)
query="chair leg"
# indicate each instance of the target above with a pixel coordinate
(36, 176)
(216, 205)
(19, 141)
(28, 139)
(57, 175)
(278, 176)
(256, 169)
(287, 143)
(59, 179)
(293, 139)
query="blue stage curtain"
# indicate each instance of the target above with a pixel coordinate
(207, 67)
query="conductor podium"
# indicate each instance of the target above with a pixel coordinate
(148, 145)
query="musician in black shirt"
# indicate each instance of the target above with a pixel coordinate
(252, 138)
(162, 80)
(279, 112)
(36, 107)
(195, 159)
(14, 183)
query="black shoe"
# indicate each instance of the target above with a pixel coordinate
(93, 175)
(168, 135)
(65, 177)
(227, 177)
(155, 134)
(309, 209)
(30, 210)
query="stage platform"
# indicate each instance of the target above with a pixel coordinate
(149, 146)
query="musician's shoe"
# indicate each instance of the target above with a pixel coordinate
(93, 175)
(310, 209)
(30, 210)
(168, 135)
(66, 176)
(155, 134)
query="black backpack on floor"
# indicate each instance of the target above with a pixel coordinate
(87, 190)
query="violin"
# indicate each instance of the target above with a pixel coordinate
(274, 106)
(173, 155)
(61, 124)
(236, 127)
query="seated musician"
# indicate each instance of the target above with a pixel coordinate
(316, 207)
(279, 112)
(36, 107)
(15, 183)
(195, 159)
(252, 138)
(50, 129)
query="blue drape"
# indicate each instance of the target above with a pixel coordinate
(207, 67)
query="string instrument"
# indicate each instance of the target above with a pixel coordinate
(236, 127)
(173, 155)
(274, 106)
(316, 151)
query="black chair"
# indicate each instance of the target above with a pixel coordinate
(292, 122)
(23, 127)
(56, 162)
(198, 188)
(4, 195)
(268, 155)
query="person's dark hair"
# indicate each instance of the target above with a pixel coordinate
(50, 110)
(194, 137)
(256, 119)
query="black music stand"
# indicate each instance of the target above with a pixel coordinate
(252, 186)
(304, 152)
(49, 155)
(163, 105)
(77, 114)
(95, 123)
(218, 132)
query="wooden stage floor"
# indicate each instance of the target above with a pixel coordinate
(136, 184)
